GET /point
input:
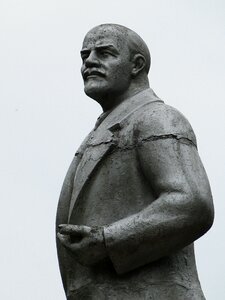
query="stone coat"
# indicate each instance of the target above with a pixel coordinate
(118, 179)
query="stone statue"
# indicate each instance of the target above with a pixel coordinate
(136, 195)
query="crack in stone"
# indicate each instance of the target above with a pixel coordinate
(151, 138)
(182, 139)
(99, 144)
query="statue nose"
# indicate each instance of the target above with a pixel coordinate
(91, 60)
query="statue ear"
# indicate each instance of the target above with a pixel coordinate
(139, 63)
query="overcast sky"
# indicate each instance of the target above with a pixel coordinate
(45, 115)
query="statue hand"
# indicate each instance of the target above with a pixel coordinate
(86, 243)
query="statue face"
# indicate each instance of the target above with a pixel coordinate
(106, 67)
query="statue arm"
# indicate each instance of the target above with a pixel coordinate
(181, 213)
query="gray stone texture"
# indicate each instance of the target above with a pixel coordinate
(136, 195)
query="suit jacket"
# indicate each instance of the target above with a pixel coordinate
(107, 185)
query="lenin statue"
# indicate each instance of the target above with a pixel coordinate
(136, 195)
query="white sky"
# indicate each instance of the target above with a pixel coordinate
(45, 115)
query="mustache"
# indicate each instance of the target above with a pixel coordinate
(90, 72)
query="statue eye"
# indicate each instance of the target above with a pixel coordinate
(104, 53)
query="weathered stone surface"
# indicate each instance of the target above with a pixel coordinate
(136, 195)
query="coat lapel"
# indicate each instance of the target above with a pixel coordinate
(100, 143)
(67, 188)
(103, 139)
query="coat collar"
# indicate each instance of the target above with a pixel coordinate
(121, 112)
(103, 139)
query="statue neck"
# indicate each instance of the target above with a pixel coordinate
(134, 88)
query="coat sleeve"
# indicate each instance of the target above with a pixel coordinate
(183, 209)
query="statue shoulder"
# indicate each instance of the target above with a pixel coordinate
(160, 120)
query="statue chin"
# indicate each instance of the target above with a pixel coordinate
(92, 94)
(95, 92)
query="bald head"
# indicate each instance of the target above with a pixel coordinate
(115, 64)
(123, 34)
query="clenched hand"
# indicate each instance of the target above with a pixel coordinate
(86, 243)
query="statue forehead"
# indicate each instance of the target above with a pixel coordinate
(101, 35)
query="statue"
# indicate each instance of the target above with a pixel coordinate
(136, 195)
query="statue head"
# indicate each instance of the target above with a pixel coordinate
(116, 63)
